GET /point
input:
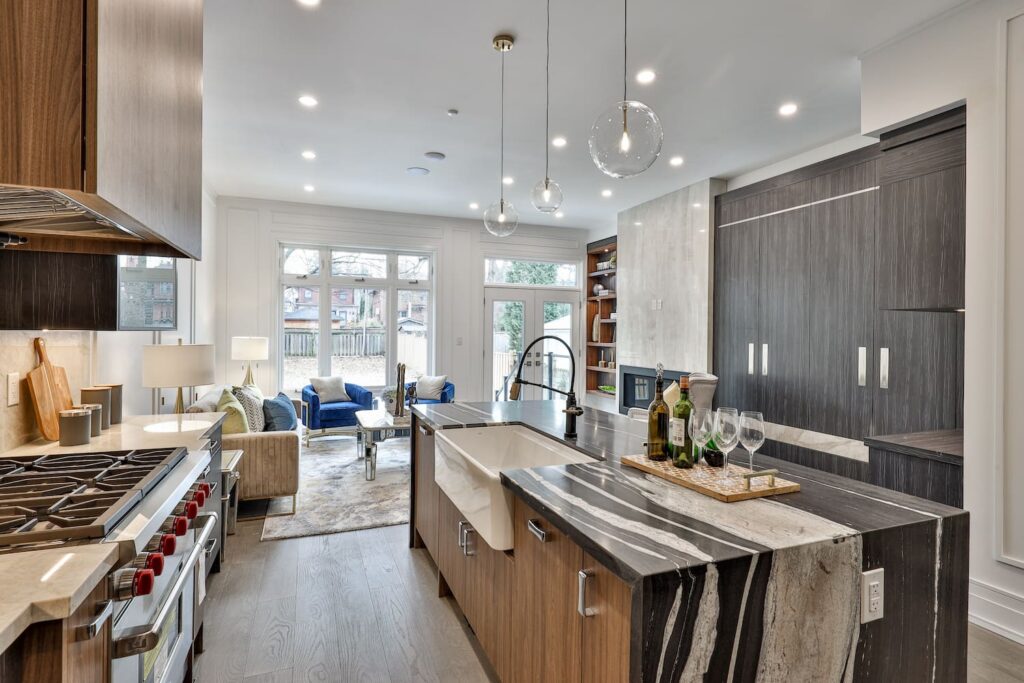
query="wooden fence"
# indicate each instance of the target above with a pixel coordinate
(304, 343)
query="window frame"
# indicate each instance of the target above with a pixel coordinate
(390, 284)
(530, 259)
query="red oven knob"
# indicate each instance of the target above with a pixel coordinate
(164, 544)
(205, 488)
(200, 498)
(177, 525)
(132, 583)
(142, 582)
(187, 508)
(150, 560)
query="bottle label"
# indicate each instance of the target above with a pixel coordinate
(677, 431)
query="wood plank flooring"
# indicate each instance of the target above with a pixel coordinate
(360, 606)
(357, 606)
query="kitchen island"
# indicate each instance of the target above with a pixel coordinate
(693, 588)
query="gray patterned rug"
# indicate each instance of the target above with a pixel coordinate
(334, 495)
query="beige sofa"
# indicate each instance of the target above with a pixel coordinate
(270, 466)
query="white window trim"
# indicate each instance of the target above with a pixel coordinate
(533, 259)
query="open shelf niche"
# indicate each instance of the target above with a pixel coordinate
(601, 271)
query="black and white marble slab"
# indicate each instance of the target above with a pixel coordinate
(765, 589)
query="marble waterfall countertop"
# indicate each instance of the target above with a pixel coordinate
(42, 585)
(766, 589)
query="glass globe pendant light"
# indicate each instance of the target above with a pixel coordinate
(626, 138)
(501, 218)
(547, 195)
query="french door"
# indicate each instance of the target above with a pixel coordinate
(515, 316)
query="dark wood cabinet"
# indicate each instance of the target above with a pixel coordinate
(43, 291)
(425, 489)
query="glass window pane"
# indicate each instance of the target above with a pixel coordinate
(413, 331)
(557, 367)
(359, 339)
(301, 337)
(301, 262)
(147, 291)
(507, 344)
(359, 264)
(543, 273)
(413, 267)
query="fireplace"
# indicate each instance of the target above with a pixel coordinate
(636, 388)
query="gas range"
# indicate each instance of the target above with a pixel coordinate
(73, 498)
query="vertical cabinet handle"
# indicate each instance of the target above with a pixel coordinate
(750, 358)
(463, 525)
(535, 529)
(883, 368)
(764, 359)
(466, 550)
(581, 603)
(862, 366)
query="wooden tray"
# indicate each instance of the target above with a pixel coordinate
(709, 480)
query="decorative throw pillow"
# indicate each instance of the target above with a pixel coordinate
(251, 399)
(280, 414)
(430, 388)
(207, 403)
(329, 389)
(235, 423)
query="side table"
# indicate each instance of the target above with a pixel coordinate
(230, 476)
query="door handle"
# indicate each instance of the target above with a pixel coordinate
(764, 359)
(750, 358)
(463, 525)
(535, 529)
(862, 366)
(581, 602)
(883, 368)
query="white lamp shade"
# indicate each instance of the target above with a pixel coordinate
(177, 365)
(250, 348)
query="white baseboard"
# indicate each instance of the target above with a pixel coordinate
(997, 610)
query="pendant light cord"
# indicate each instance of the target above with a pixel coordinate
(547, 100)
(501, 146)
(625, 43)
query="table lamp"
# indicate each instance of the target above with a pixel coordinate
(178, 365)
(249, 349)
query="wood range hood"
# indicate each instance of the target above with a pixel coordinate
(101, 126)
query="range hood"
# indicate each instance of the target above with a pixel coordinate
(29, 211)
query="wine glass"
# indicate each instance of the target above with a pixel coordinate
(727, 434)
(701, 425)
(751, 432)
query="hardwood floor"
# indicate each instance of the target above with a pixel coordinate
(357, 606)
(361, 606)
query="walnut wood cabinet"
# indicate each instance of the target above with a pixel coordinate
(425, 489)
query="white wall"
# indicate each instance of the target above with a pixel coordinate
(964, 57)
(252, 230)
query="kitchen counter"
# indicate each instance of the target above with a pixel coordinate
(141, 431)
(739, 585)
(43, 585)
(946, 445)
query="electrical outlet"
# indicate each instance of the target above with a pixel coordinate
(872, 595)
(13, 388)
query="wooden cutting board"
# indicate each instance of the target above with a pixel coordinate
(43, 388)
(58, 374)
(712, 481)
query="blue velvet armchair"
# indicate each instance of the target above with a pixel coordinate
(336, 415)
(447, 394)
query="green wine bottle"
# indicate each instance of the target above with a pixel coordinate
(680, 444)
(657, 421)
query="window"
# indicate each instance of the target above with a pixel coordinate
(534, 273)
(374, 312)
(147, 293)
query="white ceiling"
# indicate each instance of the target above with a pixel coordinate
(386, 71)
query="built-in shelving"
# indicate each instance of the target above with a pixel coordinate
(600, 309)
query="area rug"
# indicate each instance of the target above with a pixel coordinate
(334, 495)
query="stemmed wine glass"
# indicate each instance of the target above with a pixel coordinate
(727, 434)
(701, 425)
(751, 432)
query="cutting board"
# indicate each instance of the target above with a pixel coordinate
(712, 481)
(48, 386)
(59, 375)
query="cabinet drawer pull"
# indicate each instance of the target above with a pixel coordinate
(535, 529)
(764, 359)
(89, 631)
(883, 368)
(465, 546)
(862, 366)
(425, 430)
(463, 525)
(581, 603)
(750, 358)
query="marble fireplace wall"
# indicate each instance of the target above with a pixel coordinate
(70, 350)
(665, 278)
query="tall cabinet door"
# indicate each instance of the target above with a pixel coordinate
(783, 319)
(737, 255)
(841, 316)
(919, 379)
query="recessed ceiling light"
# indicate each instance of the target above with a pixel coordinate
(696, 205)
(308, 101)
(309, 3)
(474, 206)
(788, 109)
(308, 188)
(452, 113)
(309, 155)
(637, 223)
(676, 161)
(606, 193)
(559, 214)
(559, 141)
(435, 156)
(417, 170)
(508, 180)
(646, 76)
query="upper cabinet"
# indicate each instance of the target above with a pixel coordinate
(101, 125)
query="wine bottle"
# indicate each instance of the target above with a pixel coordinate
(680, 444)
(657, 421)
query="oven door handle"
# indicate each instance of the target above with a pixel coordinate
(139, 639)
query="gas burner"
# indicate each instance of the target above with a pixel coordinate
(15, 465)
(83, 461)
